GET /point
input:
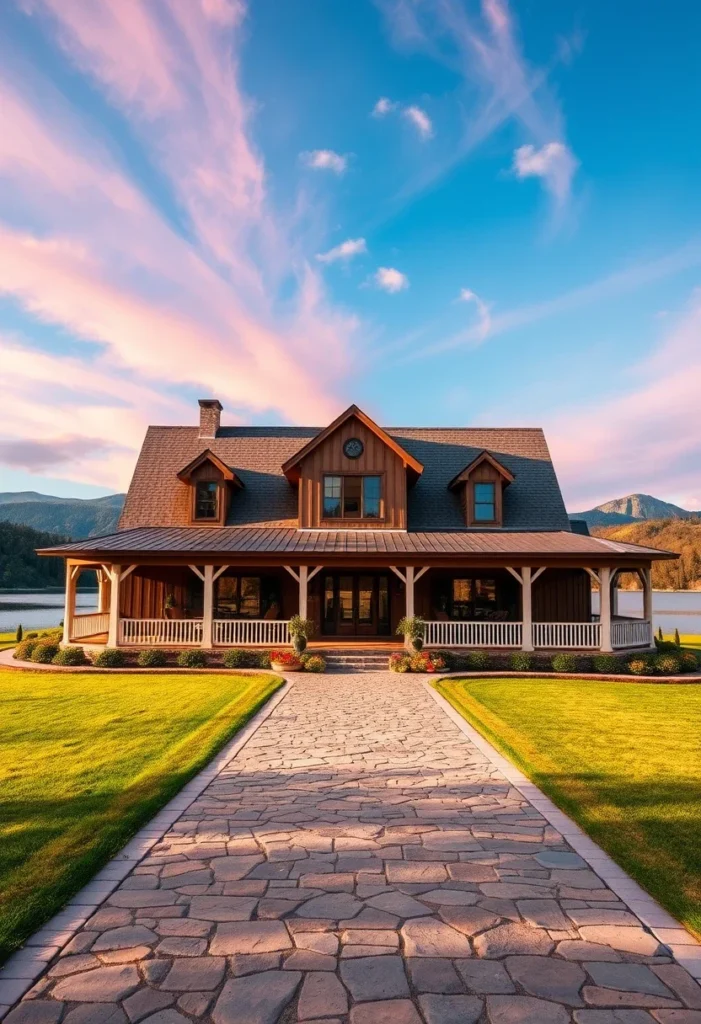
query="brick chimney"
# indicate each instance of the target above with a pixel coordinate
(210, 416)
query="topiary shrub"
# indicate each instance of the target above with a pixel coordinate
(478, 660)
(688, 661)
(44, 652)
(192, 659)
(110, 657)
(677, 638)
(152, 658)
(640, 667)
(23, 651)
(667, 664)
(314, 663)
(607, 663)
(236, 658)
(521, 661)
(31, 636)
(564, 663)
(70, 656)
(19, 634)
(666, 646)
(399, 662)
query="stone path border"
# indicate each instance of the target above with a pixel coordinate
(686, 949)
(23, 968)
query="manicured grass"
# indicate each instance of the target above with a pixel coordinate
(692, 640)
(623, 760)
(86, 760)
(10, 639)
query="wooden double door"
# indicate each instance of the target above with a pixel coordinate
(356, 604)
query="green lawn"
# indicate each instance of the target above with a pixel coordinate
(623, 760)
(86, 760)
(10, 639)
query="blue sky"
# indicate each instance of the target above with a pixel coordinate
(449, 212)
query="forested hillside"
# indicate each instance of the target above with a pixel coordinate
(20, 567)
(71, 517)
(681, 535)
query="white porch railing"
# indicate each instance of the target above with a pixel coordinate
(473, 634)
(160, 632)
(89, 624)
(564, 635)
(631, 633)
(251, 632)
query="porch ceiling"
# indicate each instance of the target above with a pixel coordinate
(275, 546)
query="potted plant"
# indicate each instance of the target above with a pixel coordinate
(301, 630)
(169, 604)
(412, 629)
(285, 661)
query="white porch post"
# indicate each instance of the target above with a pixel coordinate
(113, 631)
(303, 591)
(208, 606)
(614, 594)
(646, 578)
(102, 591)
(605, 608)
(72, 573)
(526, 609)
(409, 591)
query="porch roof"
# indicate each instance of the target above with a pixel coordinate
(285, 544)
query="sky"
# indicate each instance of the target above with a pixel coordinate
(451, 212)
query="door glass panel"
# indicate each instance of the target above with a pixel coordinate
(249, 606)
(383, 600)
(328, 597)
(485, 596)
(345, 598)
(365, 588)
(352, 491)
(332, 497)
(462, 598)
(227, 605)
(371, 497)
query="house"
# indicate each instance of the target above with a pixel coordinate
(227, 532)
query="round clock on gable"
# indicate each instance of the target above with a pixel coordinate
(353, 448)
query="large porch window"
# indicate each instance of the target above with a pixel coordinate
(467, 598)
(246, 597)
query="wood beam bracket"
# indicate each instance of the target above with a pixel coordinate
(127, 572)
(293, 574)
(197, 572)
(419, 574)
(398, 573)
(218, 573)
(313, 573)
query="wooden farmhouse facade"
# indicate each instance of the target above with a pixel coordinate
(227, 532)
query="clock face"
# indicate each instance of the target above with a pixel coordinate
(353, 448)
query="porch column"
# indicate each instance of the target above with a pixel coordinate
(646, 579)
(113, 630)
(102, 591)
(207, 605)
(605, 609)
(72, 573)
(526, 609)
(409, 585)
(303, 591)
(614, 594)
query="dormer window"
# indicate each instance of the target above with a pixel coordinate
(352, 497)
(206, 500)
(485, 502)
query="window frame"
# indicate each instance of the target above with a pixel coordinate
(361, 517)
(477, 520)
(207, 520)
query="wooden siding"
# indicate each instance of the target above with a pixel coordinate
(562, 595)
(377, 459)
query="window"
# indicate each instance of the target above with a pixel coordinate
(485, 503)
(462, 599)
(352, 497)
(239, 597)
(206, 500)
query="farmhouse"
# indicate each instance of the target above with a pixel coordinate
(229, 531)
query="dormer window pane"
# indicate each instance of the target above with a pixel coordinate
(485, 503)
(206, 500)
(371, 497)
(332, 497)
(352, 494)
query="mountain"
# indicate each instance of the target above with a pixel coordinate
(20, 567)
(673, 534)
(73, 518)
(634, 508)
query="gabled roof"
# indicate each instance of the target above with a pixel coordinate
(208, 456)
(412, 465)
(463, 476)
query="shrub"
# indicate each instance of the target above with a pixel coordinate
(285, 659)
(478, 660)
(450, 659)
(31, 636)
(152, 658)
(301, 630)
(639, 667)
(192, 659)
(236, 658)
(666, 646)
(564, 663)
(19, 634)
(260, 659)
(24, 651)
(521, 661)
(667, 664)
(677, 639)
(412, 629)
(44, 652)
(110, 657)
(426, 661)
(688, 661)
(70, 656)
(399, 662)
(660, 635)
(607, 663)
(315, 663)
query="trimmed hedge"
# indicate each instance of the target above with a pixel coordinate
(70, 656)
(564, 663)
(521, 661)
(192, 659)
(44, 652)
(111, 657)
(151, 659)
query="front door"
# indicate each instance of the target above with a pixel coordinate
(356, 604)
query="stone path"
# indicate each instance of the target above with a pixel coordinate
(361, 861)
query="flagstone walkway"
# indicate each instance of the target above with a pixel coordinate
(361, 861)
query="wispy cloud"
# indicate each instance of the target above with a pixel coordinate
(383, 107)
(220, 303)
(325, 160)
(484, 319)
(391, 280)
(420, 120)
(553, 162)
(345, 251)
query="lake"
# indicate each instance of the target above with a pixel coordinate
(680, 609)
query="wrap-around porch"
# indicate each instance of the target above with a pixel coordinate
(527, 607)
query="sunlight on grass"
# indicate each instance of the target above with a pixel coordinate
(85, 760)
(622, 759)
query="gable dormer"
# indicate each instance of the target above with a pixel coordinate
(352, 475)
(481, 487)
(210, 482)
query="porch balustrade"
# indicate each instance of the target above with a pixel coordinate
(160, 632)
(251, 632)
(545, 635)
(89, 624)
(567, 635)
(473, 634)
(631, 633)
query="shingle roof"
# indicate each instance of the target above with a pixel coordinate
(157, 498)
(229, 541)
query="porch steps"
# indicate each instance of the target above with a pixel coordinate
(356, 660)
